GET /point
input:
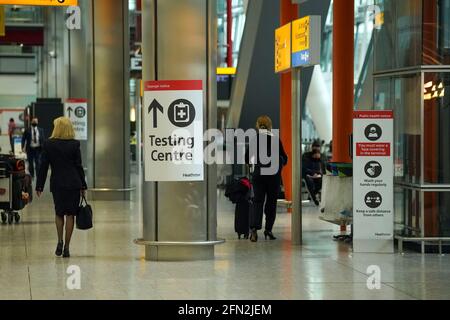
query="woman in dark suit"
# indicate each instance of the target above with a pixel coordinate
(67, 183)
(266, 183)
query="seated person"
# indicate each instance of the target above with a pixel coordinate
(313, 172)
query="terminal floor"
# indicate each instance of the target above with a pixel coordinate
(112, 267)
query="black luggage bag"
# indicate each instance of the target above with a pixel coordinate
(240, 192)
(242, 218)
(15, 188)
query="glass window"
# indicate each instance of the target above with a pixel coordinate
(385, 37)
(402, 94)
(437, 128)
(399, 40)
(436, 30)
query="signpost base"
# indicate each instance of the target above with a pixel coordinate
(373, 246)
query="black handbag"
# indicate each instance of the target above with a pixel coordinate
(84, 217)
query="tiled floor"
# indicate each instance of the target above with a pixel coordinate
(112, 266)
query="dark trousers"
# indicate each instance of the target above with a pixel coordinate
(266, 189)
(11, 141)
(34, 160)
(314, 185)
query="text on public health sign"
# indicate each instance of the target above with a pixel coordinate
(173, 131)
(373, 182)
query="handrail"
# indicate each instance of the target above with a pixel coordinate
(112, 190)
(425, 187)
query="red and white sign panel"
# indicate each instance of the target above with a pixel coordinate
(173, 131)
(373, 182)
(76, 111)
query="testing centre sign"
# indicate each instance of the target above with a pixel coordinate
(173, 131)
(76, 111)
(373, 182)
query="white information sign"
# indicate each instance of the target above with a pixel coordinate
(76, 111)
(173, 131)
(373, 182)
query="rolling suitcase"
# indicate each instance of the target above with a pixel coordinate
(240, 192)
(242, 219)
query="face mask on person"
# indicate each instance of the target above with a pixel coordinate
(34, 125)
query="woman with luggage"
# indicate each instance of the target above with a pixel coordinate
(67, 183)
(266, 178)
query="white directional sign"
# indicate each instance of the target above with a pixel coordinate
(173, 131)
(373, 182)
(76, 111)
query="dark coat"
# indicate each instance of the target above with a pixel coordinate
(27, 136)
(311, 166)
(64, 158)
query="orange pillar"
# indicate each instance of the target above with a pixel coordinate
(343, 78)
(288, 13)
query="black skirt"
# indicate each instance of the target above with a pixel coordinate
(66, 202)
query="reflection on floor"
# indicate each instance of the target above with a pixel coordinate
(112, 266)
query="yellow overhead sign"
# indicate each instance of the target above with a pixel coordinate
(41, 2)
(306, 41)
(2, 21)
(226, 71)
(283, 48)
(300, 34)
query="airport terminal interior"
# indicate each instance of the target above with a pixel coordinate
(358, 92)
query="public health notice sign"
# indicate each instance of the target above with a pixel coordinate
(76, 111)
(173, 131)
(373, 182)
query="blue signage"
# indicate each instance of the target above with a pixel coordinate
(301, 58)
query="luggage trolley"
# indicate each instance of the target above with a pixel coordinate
(12, 174)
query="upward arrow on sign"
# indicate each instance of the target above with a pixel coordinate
(69, 111)
(155, 106)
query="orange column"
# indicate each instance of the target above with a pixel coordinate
(289, 12)
(343, 78)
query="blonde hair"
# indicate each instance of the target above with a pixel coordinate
(63, 129)
(264, 122)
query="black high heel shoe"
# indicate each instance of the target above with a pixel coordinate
(59, 249)
(269, 234)
(66, 253)
(254, 236)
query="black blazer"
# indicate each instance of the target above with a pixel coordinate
(26, 138)
(64, 158)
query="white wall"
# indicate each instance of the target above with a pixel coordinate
(16, 92)
(17, 85)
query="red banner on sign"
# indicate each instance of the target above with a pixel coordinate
(175, 85)
(373, 149)
(373, 114)
(76, 100)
